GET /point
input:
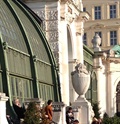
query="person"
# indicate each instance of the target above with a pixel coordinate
(69, 116)
(99, 121)
(49, 110)
(95, 121)
(19, 110)
(9, 119)
(75, 122)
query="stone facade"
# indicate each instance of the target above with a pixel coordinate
(63, 23)
(103, 23)
(107, 68)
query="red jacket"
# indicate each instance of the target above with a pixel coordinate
(49, 111)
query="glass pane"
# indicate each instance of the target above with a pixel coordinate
(12, 86)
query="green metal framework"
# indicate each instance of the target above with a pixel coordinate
(91, 94)
(27, 65)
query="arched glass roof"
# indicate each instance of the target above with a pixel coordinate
(10, 29)
(18, 25)
(22, 75)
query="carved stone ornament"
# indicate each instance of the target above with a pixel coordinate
(80, 79)
(69, 18)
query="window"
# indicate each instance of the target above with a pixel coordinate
(100, 34)
(21, 88)
(84, 9)
(112, 11)
(85, 38)
(113, 37)
(97, 13)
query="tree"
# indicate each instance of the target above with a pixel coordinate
(32, 114)
(96, 110)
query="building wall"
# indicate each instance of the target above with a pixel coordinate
(63, 26)
(112, 80)
(103, 25)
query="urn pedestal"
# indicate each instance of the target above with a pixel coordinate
(81, 82)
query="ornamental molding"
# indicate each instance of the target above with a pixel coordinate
(70, 8)
(106, 53)
(56, 55)
(107, 56)
(54, 46)
(52, 25)
(80, 32)
(113, 60)
(47, 14)
(97, 26)
(52, 36)
(69, 18)
(51, 14)
(40, 13)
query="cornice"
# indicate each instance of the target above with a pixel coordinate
(107, 56)
(85, 16)
(115, 60)
(96, 26)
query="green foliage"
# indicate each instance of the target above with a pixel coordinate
(96, 110)
(32, 114)
(111, 120)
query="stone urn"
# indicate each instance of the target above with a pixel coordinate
(96, 41)
(80, 79)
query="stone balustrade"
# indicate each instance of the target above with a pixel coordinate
(59, 115)
(37, 100)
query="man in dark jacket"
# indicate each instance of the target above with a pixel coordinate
(69, 116)
(19, 110)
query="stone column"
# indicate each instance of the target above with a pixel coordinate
(79, 47)
(101, 89)
(110, 94)
(59, 112)
(79, 24)
(3, 99)
(100, 70)
(79, 40)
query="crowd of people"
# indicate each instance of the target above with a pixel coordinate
(20, 110)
